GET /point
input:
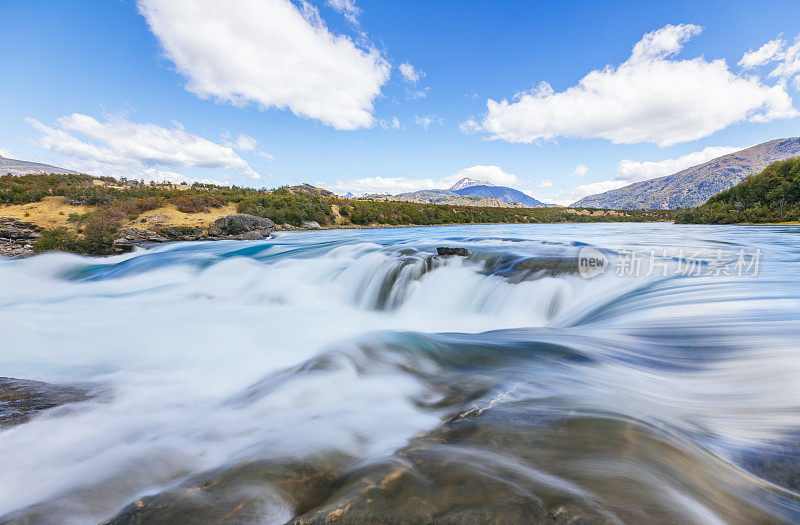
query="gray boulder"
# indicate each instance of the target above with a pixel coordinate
(241, 226)
(311, 225)
(127, 238)
(17, 237)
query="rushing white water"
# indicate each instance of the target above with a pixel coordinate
(201, 356)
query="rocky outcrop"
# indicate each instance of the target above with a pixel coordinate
(128, 238)
(20, 398)
(17, 237)
(311, 225)
(183, 233)
(241, 226)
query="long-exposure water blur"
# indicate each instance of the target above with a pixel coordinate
(359, 376)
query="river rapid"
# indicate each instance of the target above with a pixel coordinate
(356, 376)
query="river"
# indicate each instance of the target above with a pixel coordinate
(356, 375)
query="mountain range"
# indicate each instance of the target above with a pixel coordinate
(693, 186)
(24, 167)
(471, 192)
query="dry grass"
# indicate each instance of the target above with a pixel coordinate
(170, 216)
(50, 212)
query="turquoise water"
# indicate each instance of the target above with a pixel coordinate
(664, 389)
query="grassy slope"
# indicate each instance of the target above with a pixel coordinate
(772, 196)
(693, 186)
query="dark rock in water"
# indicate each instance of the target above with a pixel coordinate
(20, 398)
(444, 250)
(17, 237)
(518, 269)
(127, 238)
(241, 226)
(311, 225)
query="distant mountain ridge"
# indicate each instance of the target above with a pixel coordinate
(466, 182)
(504, 193)
(469, 194)
(24, 167)
(695, 185)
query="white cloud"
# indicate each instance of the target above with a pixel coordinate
(410, 74)
(118, 146)
(580, 171)
(779, 51)
(789, 61)
(493, 174)
(546, 183)
(634, 171)
(427, 120)
(796, 82)
(566, 198)
(766, 53)
(394, 185)
(246, 143)
(393, 123)
(348, 8)
(269, 53)
(5, 153)
(651, 97)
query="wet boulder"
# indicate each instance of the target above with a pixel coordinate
(20, 399)
(445, 250)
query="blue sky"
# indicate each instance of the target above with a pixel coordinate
(391, 96)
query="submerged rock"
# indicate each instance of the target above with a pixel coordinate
(20, 398)
(445, 250)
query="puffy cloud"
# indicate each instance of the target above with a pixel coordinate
(410, 74)
(348, 8)
(394, 185)
(493, 174)
(546, 183)
(778, 51)
(246, 143)
(789, 61)
(118, 146)
(633, 171)
(427, 120)
(580, 171)
(766, 53)
(391, 185)
(651, 97)
(270, 53)
(578, 192)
